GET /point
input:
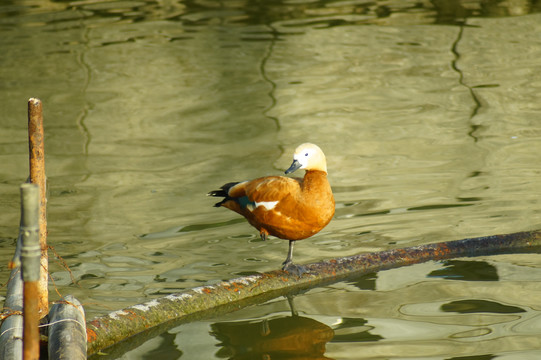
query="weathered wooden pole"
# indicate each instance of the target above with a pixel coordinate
(37, 176)
(67, 330)
(231, 295)
(30, 267)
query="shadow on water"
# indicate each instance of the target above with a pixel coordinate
(180, 230)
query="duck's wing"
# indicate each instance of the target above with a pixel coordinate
(266, 189)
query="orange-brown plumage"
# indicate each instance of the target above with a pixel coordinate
(288, 208)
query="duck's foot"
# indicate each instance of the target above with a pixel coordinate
(294, 269)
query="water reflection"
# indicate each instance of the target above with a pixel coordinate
(480, 306)
(467, 271)
(413, 315)
(281, 16)
(291, 337)
(355, 330)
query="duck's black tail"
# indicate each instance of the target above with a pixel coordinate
(222, 192)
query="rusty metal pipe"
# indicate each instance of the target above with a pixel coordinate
(160, 314)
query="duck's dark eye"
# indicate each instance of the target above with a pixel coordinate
(306, 154)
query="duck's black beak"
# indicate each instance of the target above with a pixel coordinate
(294, 166)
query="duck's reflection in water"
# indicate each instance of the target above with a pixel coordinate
(291, 337)
(288, 337)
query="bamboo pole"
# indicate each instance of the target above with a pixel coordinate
(30, 266)
(37, 176)
(165, 312)
(67, 330)
(20, 308)
(11, 331)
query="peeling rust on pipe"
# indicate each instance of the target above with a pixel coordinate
(159, 314)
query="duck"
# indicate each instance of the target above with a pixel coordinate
(288, 208)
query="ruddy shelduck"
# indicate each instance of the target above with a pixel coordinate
(288, 208)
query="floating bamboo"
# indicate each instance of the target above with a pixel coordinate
(67, 330)
(160, 314)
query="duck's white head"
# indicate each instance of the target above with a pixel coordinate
(309, 157)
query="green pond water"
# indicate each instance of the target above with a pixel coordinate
(429, 113)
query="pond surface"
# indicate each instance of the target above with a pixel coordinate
(428, 112)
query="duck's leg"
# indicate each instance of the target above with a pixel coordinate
(292, 305)
(289, 258)
(288, 264)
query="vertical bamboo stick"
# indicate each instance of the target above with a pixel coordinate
(30, 266)
(37, 176)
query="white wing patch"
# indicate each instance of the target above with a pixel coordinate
(268, 205)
